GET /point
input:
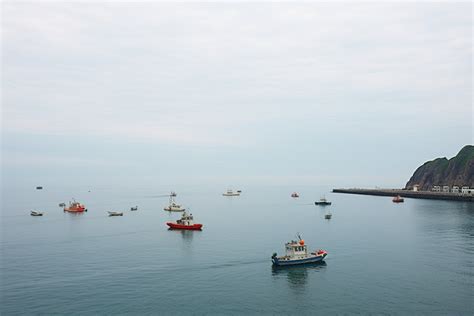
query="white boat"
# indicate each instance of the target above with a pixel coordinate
(173, 206)
(111, 213)
(297, 253)
(231, 193)
(36, 213)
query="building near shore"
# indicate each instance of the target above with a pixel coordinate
(436, 188)
(467, 190)
(455, 189)
(446, 188)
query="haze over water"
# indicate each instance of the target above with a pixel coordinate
(414, 257)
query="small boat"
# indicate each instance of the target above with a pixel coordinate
(75, 207)
(39, 188)
(239, 191)
(322, 201)
(297, 253)
(295, 195)
(36, 213)
(186, 222)
(173, 206)
(398, 199)
(115, 213)
(328, 215)
(62, 204)
(173, 193)
(134, 208)
(231, 193)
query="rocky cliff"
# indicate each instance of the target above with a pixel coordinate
(458, 170)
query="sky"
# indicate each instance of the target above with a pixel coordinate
(242, 93)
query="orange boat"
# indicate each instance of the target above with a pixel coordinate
(75, 207)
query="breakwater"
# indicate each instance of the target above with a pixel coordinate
(410, 194)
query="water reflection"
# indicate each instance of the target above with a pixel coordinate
(186, 235)
(297, 276)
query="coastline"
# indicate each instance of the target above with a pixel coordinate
(409, 194)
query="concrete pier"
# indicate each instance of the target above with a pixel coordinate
(410, 194)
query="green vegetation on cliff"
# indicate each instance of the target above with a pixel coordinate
(458, 170)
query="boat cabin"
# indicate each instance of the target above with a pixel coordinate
(186, 219)
(296, 249)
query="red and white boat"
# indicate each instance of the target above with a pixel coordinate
(75, 207)
(398, 199)
(186, 222)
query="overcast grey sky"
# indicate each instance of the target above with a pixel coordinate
(342, 94)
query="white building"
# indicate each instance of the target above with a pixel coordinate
(436, 188)
(416, 187)
(455, 189)
(446, 188)
(467, 190)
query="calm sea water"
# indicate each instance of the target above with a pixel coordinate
(415, 257)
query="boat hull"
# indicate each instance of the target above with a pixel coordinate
(75, 210)
(322, 203)
(185, 227)
(171, 209)
(313, 259)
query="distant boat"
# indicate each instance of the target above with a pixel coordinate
(295, 195)
(328, 215)
(398, 199)
(75, 207)
(115, 213)
(134, 208)
(297, 253)
(173, 193)
(322, 201)
(173, 206)
(36, 213)
(62, 204)
(186, 222)
(39, 188)
(230, 192)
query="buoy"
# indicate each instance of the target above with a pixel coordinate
(302, 242)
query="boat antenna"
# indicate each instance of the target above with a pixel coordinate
(298, 235)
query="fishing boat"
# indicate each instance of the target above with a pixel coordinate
(322, 201)
(398, 199)
(173, 193)
(295, 195)
(297, 253)
(230, 192)
(62, 204)
(75, 207)
(328, 215)
(186, 222)
(36, 213)
(173, 206)
(134, 208)
(111, 213)
(39, 188)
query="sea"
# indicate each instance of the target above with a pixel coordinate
(415, 257)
